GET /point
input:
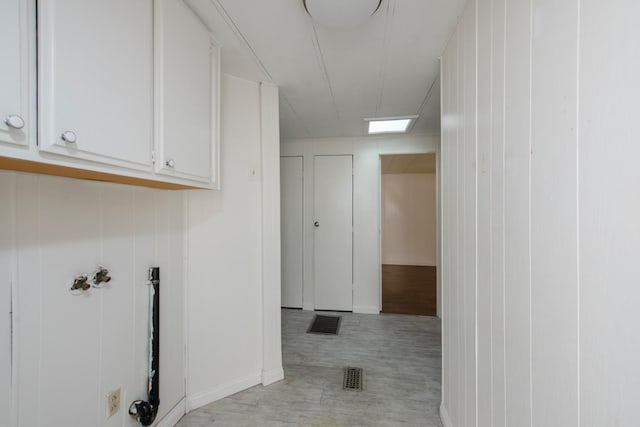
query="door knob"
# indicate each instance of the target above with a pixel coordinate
(171, 163)
(14, 121)
(316, 224)
(69, 136)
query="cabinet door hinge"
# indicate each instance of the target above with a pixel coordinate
(153, 157)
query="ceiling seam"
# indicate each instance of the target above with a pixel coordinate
(427, 97)
(391, 11)
(231, 23)
(241, 37)
(323, 66)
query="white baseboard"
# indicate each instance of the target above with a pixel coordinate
(272, 376)
(174, 415)
(205, 397)
(366, 309)
(444, 416)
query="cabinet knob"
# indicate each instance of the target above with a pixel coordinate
(14, 121)
(69, 136)
(171, 163)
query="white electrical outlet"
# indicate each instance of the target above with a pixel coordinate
(113, 403)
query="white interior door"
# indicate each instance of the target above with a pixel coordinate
(333, 242)
(291, 187)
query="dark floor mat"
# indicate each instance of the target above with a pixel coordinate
(328, 325)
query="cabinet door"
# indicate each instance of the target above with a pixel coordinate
(96, 80)
(16, 38)
(187, 94)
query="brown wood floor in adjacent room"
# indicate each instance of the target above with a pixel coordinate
(409, 289)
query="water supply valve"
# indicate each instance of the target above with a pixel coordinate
(101, 277)
(80, 285)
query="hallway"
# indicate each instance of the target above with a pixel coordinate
(400, 356)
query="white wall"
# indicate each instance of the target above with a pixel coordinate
(226, 238)
(366, 205)
(540, 214)
(71, 351)
(409, 219)
(6, 238)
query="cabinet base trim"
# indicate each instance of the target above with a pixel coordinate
(20, 165)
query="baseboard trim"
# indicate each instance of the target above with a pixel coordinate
(205, 397)
(366, 309)
(444, 416)
(272, 376)
(174, 415)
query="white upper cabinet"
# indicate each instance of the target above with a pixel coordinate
(187, 76)
(125, 90)
(95, 80)
(16, 46)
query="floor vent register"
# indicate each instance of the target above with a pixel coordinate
(352, 379)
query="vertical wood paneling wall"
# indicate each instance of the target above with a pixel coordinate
(541, 214)
(71, 351)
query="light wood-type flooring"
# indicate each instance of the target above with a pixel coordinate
(400, 357)
(409, 289)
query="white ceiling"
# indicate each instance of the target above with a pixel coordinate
(330, 79)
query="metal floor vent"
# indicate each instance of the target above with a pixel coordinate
(324, 325)
(352, 379)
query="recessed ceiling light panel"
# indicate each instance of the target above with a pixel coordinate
(390, 125)
(341, 13)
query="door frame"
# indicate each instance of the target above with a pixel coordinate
(438, 225)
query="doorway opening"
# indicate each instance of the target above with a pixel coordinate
(409, 235)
